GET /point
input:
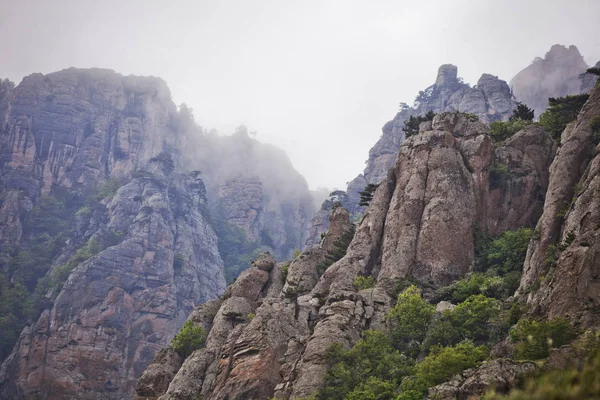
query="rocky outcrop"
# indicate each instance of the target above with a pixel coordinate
(516, 196)
(490, 100)
(555, 75)
(420, 214)
(563, 258)
(134, 267)
(500, 374)
(119, 307)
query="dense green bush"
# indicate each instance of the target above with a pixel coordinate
(468, 320)
(560, 112)
(535, 338)
(499, 261)
(373, 357)
(364, 282)
(522, 112)
(501, 130)
(373, 389)
(189, 339)
(507, 252)
(441, 364)
(410, 319)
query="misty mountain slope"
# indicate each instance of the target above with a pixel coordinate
(420, 227)
(490, 100)
(555, 75)
(110, 235)
(256, 188)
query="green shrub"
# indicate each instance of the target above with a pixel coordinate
(507, 252)
(595, 126)
(522, 112)
(189, 339)
(560, 112)
(443, 363)
(500, 130)
(364, 282)
(490, 285)
(411, 125)
(534, 338)
(284, 272)
(410, 319)
(106, 189)
(468, 320)
(372, 359)
(373, 389)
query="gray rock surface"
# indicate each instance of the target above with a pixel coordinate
(119, 307)
(563, 259)
(72, 130)
(500, 374)
(419, 216)
(490, 100)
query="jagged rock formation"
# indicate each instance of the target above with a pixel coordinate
(151, 254)
(563, 259)
(490, 100)
(501, 374)
(121, 306)
(419, 216)
(555, 75)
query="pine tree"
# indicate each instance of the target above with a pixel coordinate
(367, 194)
(522, 112)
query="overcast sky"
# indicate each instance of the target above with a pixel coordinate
(316, 78)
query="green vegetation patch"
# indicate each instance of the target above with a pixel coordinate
(190, 338)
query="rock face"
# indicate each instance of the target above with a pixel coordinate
(563, 258)
(555, 75)
(121, 306)
(501, 374)
(490, 100)
(420, 214)
(137, 263)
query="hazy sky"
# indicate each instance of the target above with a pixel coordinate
(316, 78)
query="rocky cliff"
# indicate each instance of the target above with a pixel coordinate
(490, 100)
(555, 75)
(428, 206)
(112, 226)
(561, 271)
